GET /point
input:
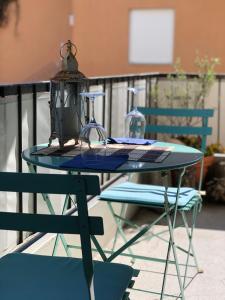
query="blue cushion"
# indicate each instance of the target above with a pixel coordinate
(148, 195)
(36, 277)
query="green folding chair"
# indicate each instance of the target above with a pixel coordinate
(27, 276)
(169, 200)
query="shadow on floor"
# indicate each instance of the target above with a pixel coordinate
(212, 216)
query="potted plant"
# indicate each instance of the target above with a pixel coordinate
(209, 158)
(192, 174)
(214, 184)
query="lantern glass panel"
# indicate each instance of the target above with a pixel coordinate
(67, 110)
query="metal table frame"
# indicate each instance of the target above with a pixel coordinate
(180, 157)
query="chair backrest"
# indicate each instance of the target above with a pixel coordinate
(79, 185)
(202, 130)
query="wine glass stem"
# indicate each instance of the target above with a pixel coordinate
(92, 109)
(133, 103)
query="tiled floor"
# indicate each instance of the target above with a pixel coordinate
(209, 242)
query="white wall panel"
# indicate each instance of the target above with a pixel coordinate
(151, 36)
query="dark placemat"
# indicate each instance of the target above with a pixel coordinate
(96, 162)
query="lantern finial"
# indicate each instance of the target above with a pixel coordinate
(69, 64)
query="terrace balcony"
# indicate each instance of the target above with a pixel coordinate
(25, 121)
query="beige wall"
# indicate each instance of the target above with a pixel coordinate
(101, 35)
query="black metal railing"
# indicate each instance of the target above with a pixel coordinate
(107, 85)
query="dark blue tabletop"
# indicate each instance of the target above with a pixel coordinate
(180, 156)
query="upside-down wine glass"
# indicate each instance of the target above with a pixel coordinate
(135, 121)
(93, 136)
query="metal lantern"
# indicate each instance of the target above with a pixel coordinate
(66, 108)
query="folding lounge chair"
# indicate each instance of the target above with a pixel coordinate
(27, 276)
(153, 196)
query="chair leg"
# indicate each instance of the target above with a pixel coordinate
(190, 233)
(171, 225)
(61, 236)
(119, 229)
(52, 211)
(122, 210)
(172, 242)
(65, 206)
(173, 246)
(165, 270)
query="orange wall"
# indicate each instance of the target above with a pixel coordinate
(31, 53)
(101, 33)
(101, 36)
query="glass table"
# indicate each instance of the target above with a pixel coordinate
(180, 157)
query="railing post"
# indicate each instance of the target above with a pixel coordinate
(19, 149)
(219, 108)
(34, 100)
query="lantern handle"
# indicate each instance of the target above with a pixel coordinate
(69, 45)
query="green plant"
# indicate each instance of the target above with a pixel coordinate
(181, 90)
(191, 141)
(206, 75)
(192, 92)
(195, 142)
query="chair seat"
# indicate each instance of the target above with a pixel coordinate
(149, 195)
(36, 277)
